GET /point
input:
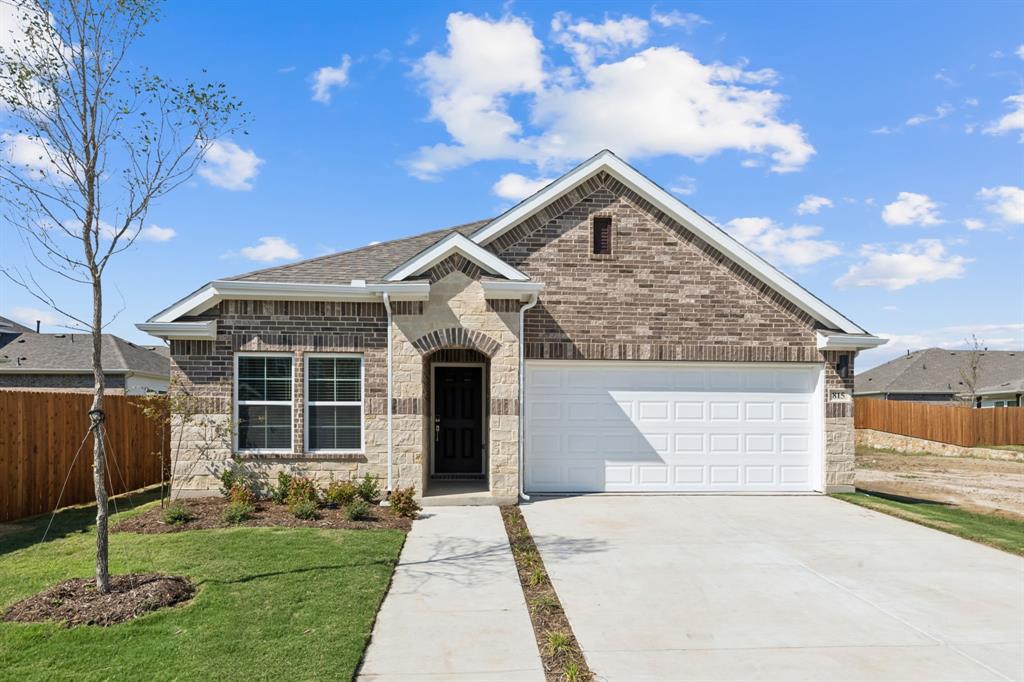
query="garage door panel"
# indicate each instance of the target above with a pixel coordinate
(628, 428)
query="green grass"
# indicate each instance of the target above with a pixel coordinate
(273, 603)
(1011, 448)
(996, 531)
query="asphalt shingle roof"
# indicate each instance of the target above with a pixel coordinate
(937, 370)
(73, 352)
(1013, 386)
(370, 263)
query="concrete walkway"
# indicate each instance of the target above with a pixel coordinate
(777, 588)
(455, 610)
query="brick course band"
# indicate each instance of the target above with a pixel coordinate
(682, 353)
(454, 263)
(504, 406)
(407, 307)
(503, 305)
(457, 337)
(412, 406)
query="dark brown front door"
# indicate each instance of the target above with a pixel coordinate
(458, 420)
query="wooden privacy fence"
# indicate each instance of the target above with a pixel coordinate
(41, 431)
(965, 426)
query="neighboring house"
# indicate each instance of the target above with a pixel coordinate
(1004, 394)
(29, 360)
(937, 375)
(9, 330)
(657, 354)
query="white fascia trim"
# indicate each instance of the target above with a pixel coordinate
(193, 331)
(632, 178)
(849, 341)
(219, 290)
(511, 289)
(455, 242)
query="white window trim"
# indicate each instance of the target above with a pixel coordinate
(235, 402)
(350, 403)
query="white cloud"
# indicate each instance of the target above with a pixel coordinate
(1013, 121)
(1006, 201)
(586, 41)
(925, 260)
(971, 102)
(687, 21)
(974, 224)
(783, 246)
(750, 163)
(327, 77)
(684, 186)
(941, 111)
(155, 233)
(515, 187)
(884, 130)
(912, 209)
(28, 316)
(230, 167)
(813, 204)
(270, 249)
(943, 77)
(674, 103)
(33, 156)
(1019, 51)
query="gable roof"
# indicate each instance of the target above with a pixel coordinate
(1014, 386)
(937, 371)
(72, 354)
(370, 263)
(451, 244)
(608, 162)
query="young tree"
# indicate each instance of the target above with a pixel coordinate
(88, 141)
(970, 369)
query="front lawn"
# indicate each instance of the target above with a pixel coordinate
(272, 603)
(990, 529)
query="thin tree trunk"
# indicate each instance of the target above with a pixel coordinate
(99, 452)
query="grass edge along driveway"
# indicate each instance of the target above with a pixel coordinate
(272, 603)
(993, 530)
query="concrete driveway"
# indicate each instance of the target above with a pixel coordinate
(777, 588)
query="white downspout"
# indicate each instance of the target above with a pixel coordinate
(387, 307)
(522, 391)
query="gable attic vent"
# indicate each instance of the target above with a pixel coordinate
(602, 238)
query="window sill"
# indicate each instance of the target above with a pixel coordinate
(303, 456)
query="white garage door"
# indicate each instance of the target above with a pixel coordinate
(635, 427)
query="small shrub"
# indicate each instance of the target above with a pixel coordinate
(573, 672)
(403, 502)
(235, 474)
(368, 489)
(357, 511)
(557, 642)
(237, 512)
(537, 577)
(302, 489)
(279, 493)
(306, 510)
(341, 493)
(176, 514)
(544, 602)
(241, 493)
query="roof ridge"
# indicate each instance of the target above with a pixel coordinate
(357, 249)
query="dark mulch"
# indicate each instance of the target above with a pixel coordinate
(560, 653)
(208, 512)
(78, 602)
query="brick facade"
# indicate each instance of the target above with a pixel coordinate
(662, 294)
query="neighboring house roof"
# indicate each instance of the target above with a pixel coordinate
(371, 272)
(937, 370)
(72, 354)
(1013, 386)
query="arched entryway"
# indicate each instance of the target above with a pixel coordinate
(455, 395)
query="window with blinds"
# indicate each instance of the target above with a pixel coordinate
(334, 403)
(263, 390)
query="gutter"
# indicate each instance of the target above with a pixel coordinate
(387, 307)
(522, 391)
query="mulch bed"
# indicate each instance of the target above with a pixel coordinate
(208, 512)
(564, 663)
(78, 602)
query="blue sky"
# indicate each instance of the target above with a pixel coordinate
(872, 151)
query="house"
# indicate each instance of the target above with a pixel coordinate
(1004, 394)
(652, 352)
(30, 360)
(938, 375)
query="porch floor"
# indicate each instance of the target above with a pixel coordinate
(459, 494)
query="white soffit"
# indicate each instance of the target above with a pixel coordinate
(455, 243)
(664, 201)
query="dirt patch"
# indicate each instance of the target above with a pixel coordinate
(78, 602)
(981, 485)
(208, 512)
(560, 653)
